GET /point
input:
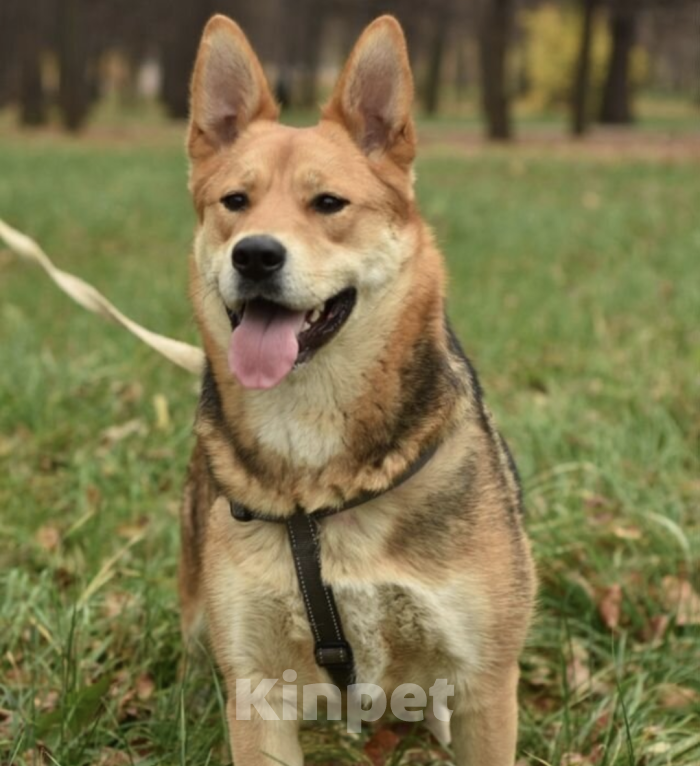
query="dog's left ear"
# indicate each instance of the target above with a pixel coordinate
(229, 89)
(374, 94)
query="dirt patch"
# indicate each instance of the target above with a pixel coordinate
(603, 144)
(618, 144)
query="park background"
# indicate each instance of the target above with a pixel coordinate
(560, 168)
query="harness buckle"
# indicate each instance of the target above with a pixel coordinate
(334, 654)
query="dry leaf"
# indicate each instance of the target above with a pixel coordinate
(628, 533)
(592, 500)
(680, 598)
(380, 745)
(48, 537)
(574, 759)
(658, 748)
(115, 434)
(48, 701)
(610, 606)
(38, 756)
(160, 404)
(674, 697)
(145, 687)
(578, 672)
(591, 200)
(128, 393)
(111, 757)
(133, 529)
(115, 602)
(656, 629)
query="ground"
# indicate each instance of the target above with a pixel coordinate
(575, 288)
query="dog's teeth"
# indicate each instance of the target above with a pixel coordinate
(306, 325)
(315, 316)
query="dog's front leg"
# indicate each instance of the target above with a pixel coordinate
(263, 741)
(484, 724)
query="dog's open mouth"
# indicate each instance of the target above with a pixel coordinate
(269, 340)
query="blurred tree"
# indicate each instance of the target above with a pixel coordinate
(310, 50)
(31, 41)
(441, 14)
(495, 28)
(582, 75)
(72, 47)
(616, 108)
(183, 23)
(9, 32)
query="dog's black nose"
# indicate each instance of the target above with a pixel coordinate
(258, 257)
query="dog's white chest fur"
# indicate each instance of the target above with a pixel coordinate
(400, 629)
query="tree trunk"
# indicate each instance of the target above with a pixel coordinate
(582, 77)
(185, 24)
(616, 108)
(495, 30)
(73, 90)
(436, 56)
(312, 30)
(32, 101)
(462, 73)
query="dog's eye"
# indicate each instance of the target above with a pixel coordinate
(235, 202)
(327, 204)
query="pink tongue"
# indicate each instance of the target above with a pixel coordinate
(264, 346)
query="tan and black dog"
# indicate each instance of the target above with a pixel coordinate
(331, 369)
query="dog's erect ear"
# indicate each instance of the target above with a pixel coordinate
(229, 89)
(374, 94)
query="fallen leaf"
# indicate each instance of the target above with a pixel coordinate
(674, 697)
(145, 687)
(48, 537)
(380, 745)
(656, 628)
(591, 200)
(628, 533)
(116, 602)
(610, 606)
(129, 393)
(114, 434)
(111, 757)
(592, 500)
(160, 404)
(38, 756)
(93, 495)
(574, 759)
(578, 672)
(658, 748)
(680, 598)
(47, 702)
(133, 529)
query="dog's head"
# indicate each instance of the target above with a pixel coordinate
(303, 234)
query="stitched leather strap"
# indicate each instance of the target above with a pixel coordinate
(332, 651)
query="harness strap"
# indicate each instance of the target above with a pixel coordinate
(331, 649)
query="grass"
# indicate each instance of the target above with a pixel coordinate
(576, 290)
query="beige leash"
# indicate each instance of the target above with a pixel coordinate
(182, 354)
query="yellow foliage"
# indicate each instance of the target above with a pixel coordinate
(551, 48)
(552, 40)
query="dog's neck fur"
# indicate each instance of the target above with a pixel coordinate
(353, 418)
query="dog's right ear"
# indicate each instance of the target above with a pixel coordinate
(229, 89)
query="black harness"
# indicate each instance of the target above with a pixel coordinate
(331, 648)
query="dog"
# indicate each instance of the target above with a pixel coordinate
(334, 381)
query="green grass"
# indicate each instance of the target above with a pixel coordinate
(575, 289)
